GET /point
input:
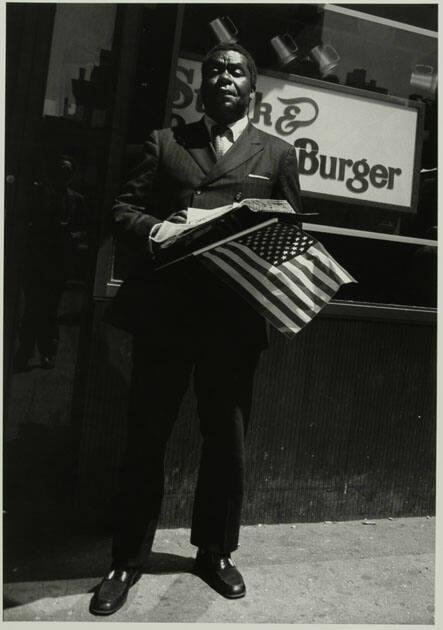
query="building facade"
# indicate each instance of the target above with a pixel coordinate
(344, 416)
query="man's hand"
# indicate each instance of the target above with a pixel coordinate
(178, 217)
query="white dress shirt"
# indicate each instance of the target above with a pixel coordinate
(227, 140)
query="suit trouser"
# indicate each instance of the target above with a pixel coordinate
(39, 322)
(223, 380)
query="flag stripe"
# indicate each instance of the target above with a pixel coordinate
(312, 276)
(262, 283)
(306, 298)
(329, 266)
(272, 314)
(344, 276)
(312, 303)
(298, 275)
(307, 279)
(279, 279)
(319, 279)
(322, 272)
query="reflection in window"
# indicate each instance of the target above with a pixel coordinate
(386, 59)
(79, 77)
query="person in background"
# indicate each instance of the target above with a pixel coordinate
(57, 233)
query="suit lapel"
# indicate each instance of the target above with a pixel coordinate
(247, 145)
(194, 138)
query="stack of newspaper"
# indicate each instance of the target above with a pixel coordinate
(206, 229)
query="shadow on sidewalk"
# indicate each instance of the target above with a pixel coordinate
(51, 549)
(74, 572)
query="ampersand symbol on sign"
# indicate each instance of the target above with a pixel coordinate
(287, 123)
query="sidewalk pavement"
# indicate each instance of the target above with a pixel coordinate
(354, 572)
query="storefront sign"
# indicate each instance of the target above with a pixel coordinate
(358, 147)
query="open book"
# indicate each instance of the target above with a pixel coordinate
(205, 228)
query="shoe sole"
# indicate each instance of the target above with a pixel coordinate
(102, 613)
(239, 596)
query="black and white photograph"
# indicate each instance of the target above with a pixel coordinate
(220, 313)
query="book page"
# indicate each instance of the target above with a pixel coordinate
(168, 232)
(269, 205)
(196, 217)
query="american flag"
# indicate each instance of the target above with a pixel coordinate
(282, 272)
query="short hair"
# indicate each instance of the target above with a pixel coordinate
(65, 157)
(223, 46)
(54, 160)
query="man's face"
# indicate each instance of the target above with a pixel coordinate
(61, 172)
(226, 86)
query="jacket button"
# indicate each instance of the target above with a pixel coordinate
(198, 192)
(238, 196)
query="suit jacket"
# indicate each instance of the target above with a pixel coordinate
(53, 219)
(179, 170)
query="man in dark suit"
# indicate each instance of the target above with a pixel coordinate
(184, 318)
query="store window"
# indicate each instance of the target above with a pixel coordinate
(357, 95)
(79, 74)
(63, 192)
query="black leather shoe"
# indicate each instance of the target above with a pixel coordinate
(113, 590)
(220, 573)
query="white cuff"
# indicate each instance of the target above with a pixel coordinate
(153, 231)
